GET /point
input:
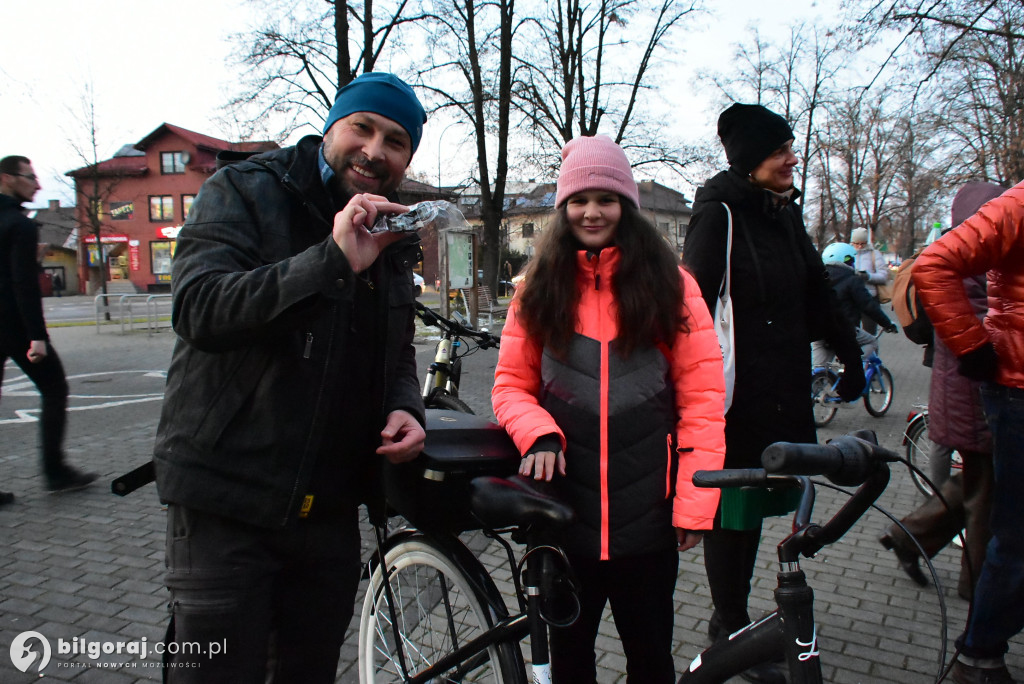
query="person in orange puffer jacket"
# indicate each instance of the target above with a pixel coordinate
(610, 382)
(991, 351)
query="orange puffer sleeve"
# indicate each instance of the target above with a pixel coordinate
(700, 405)
(990, 240)
(517, 386)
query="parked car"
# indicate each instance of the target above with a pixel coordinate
(417, 281)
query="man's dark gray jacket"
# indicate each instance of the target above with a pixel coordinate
(265, 307)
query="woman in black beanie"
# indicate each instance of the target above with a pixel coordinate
(782, 300)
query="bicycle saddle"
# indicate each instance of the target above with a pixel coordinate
(517, 501)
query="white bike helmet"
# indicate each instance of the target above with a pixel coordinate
(839, 253)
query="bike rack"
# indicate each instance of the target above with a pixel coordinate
(124, 309)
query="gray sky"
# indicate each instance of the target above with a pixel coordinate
(154, 62)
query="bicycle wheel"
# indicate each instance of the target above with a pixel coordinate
(919, 452)
(437, 609)
(878, 393)
(442, 400)
(822, 382)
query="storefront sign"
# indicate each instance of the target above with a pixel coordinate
(168, 232)
(133, 254)
(122, 211)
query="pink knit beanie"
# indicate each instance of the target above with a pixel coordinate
(595, 163)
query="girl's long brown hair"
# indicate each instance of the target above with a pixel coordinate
(647, 285)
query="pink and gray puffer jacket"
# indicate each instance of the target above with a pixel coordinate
(633, 429)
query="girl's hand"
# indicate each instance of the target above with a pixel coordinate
(687, 539)
(542, 464)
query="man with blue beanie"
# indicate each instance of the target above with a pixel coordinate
(292, 377)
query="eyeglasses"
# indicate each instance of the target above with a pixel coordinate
(30, 176)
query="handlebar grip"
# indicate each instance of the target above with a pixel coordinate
(732, 477)
(848, 460)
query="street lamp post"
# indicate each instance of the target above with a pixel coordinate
(440, 138)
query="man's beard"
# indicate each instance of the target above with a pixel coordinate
(379, 170)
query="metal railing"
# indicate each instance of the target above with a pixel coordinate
(124, 309)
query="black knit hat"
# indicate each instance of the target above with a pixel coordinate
(750, 133)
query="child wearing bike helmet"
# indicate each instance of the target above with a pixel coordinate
(855, 302)
(610, 382)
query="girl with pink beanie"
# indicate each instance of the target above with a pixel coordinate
(609, 380)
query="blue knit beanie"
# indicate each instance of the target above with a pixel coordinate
(384, 94)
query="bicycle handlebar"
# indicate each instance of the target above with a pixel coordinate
(855, 459)
(433, 318)
(848, 460)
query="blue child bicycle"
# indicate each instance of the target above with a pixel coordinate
(877, 395)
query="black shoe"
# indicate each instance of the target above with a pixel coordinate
(965, 674)
(765, 673)
(907, 557)
(70, 480)
(6, 498)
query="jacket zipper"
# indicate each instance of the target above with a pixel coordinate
(668, 465)
(307, 352)
(605, 551)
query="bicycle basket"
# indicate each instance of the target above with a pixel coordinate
(432, 491)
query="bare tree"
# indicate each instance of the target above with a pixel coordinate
(967, 60)
(980, 88)
(93, 186)
(471, 54)
(919, 177)
(586, 67)
(302, 53)
(859, 164)
(797, 79)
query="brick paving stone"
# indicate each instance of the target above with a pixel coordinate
(106, 552)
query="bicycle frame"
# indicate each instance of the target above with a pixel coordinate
(499, 506)
(791, 628)
(445, 372)
(872, 366)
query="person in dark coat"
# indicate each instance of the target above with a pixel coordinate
(855, 302)
(23, 336)
(293, 375)
(782, 300)
(956, 420)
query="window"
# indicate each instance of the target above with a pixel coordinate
(527, 230)
(161, 254)
(95, 209)
(186, 205)
(172, 162)
(161, 208)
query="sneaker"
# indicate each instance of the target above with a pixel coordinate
(966, 674)
(70, 480)
(6, 498)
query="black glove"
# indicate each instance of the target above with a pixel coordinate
(864, 275)
(852, 382)
(980, 364)
(890, 328)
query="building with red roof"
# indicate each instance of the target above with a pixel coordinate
(143, 195)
